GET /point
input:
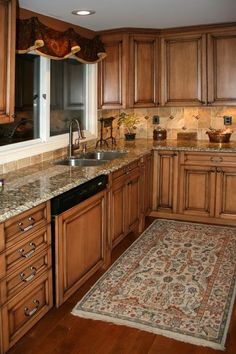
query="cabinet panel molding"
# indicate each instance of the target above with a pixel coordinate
(143, 83)
(222, 68)
(183, 70)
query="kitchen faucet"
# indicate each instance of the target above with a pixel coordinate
(72, 146)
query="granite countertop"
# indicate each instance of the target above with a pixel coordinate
(33, 185)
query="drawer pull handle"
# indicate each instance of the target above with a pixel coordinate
(30, 253)
(30, 313)
(30, 277)
(216, 159)
(23, 229)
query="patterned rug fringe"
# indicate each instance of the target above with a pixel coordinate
(168, 334)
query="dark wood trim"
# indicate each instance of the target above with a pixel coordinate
(173, 30)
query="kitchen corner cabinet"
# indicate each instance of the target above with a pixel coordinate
(222, 68)
(165, 181)
(112, 72)
(144, 71)
(124, 202)
(80, 241)
(207, 182)
(25, 272)
(183, 71)
(7, 59)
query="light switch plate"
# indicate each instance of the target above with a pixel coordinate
(155, 120)
(227, 120)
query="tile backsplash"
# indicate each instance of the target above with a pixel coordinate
(176, 119)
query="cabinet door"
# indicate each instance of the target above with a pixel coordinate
(222, 68)
(197, 190)
(225, 193)
(118, 210)
(7, 59)
(183, 70)
(112, 72)
(79, 245)
(143, 88)
(165, 181)
(133, 200)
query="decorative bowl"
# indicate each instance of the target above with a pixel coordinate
(218, 136)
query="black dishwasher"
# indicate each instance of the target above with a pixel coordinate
(77, 195)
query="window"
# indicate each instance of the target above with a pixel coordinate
(49, 93)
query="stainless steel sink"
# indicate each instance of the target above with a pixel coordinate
(104, 155)
(81, 162)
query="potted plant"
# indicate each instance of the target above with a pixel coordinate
(129, 121)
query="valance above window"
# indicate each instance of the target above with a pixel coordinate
(31, 34)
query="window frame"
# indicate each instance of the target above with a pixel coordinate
(46, 143)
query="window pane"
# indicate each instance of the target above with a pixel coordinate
(68, 95)
(26, 123)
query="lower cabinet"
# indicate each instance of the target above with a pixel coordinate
(26, 292)
(80, 241)
(165, 179)
(124, 202)
(196, 186)
(23, 311)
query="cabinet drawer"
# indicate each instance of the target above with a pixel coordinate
(125, 170)
(22, 225)
(208, 159)
(23, 311)
(22, 277)
(19, 254)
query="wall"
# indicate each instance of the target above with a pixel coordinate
(178, 119)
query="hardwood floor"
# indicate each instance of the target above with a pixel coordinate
(59, 332)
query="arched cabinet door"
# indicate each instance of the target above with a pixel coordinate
(7, 59)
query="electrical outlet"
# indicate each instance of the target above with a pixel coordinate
(227, 120)
(155, 120)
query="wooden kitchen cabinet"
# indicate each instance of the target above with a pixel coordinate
(183, 70)
(7, 59)
(80, 241)
(112, 72)
(197, 190)
(25, 272)
(125, 201)
(207, 185)
(165, 181)
(195, 186)
(222, 68)
(144, 71)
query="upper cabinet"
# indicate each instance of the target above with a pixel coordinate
(7, 59)
(222, 68)
(112, 72)
(183, 79)
(143, 73)
(172, 68)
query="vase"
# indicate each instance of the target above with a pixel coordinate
(130, 136)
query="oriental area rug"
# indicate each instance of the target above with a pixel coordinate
(177, 279)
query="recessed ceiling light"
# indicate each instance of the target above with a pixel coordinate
(83, 12)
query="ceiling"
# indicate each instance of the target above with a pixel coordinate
(137, 13)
